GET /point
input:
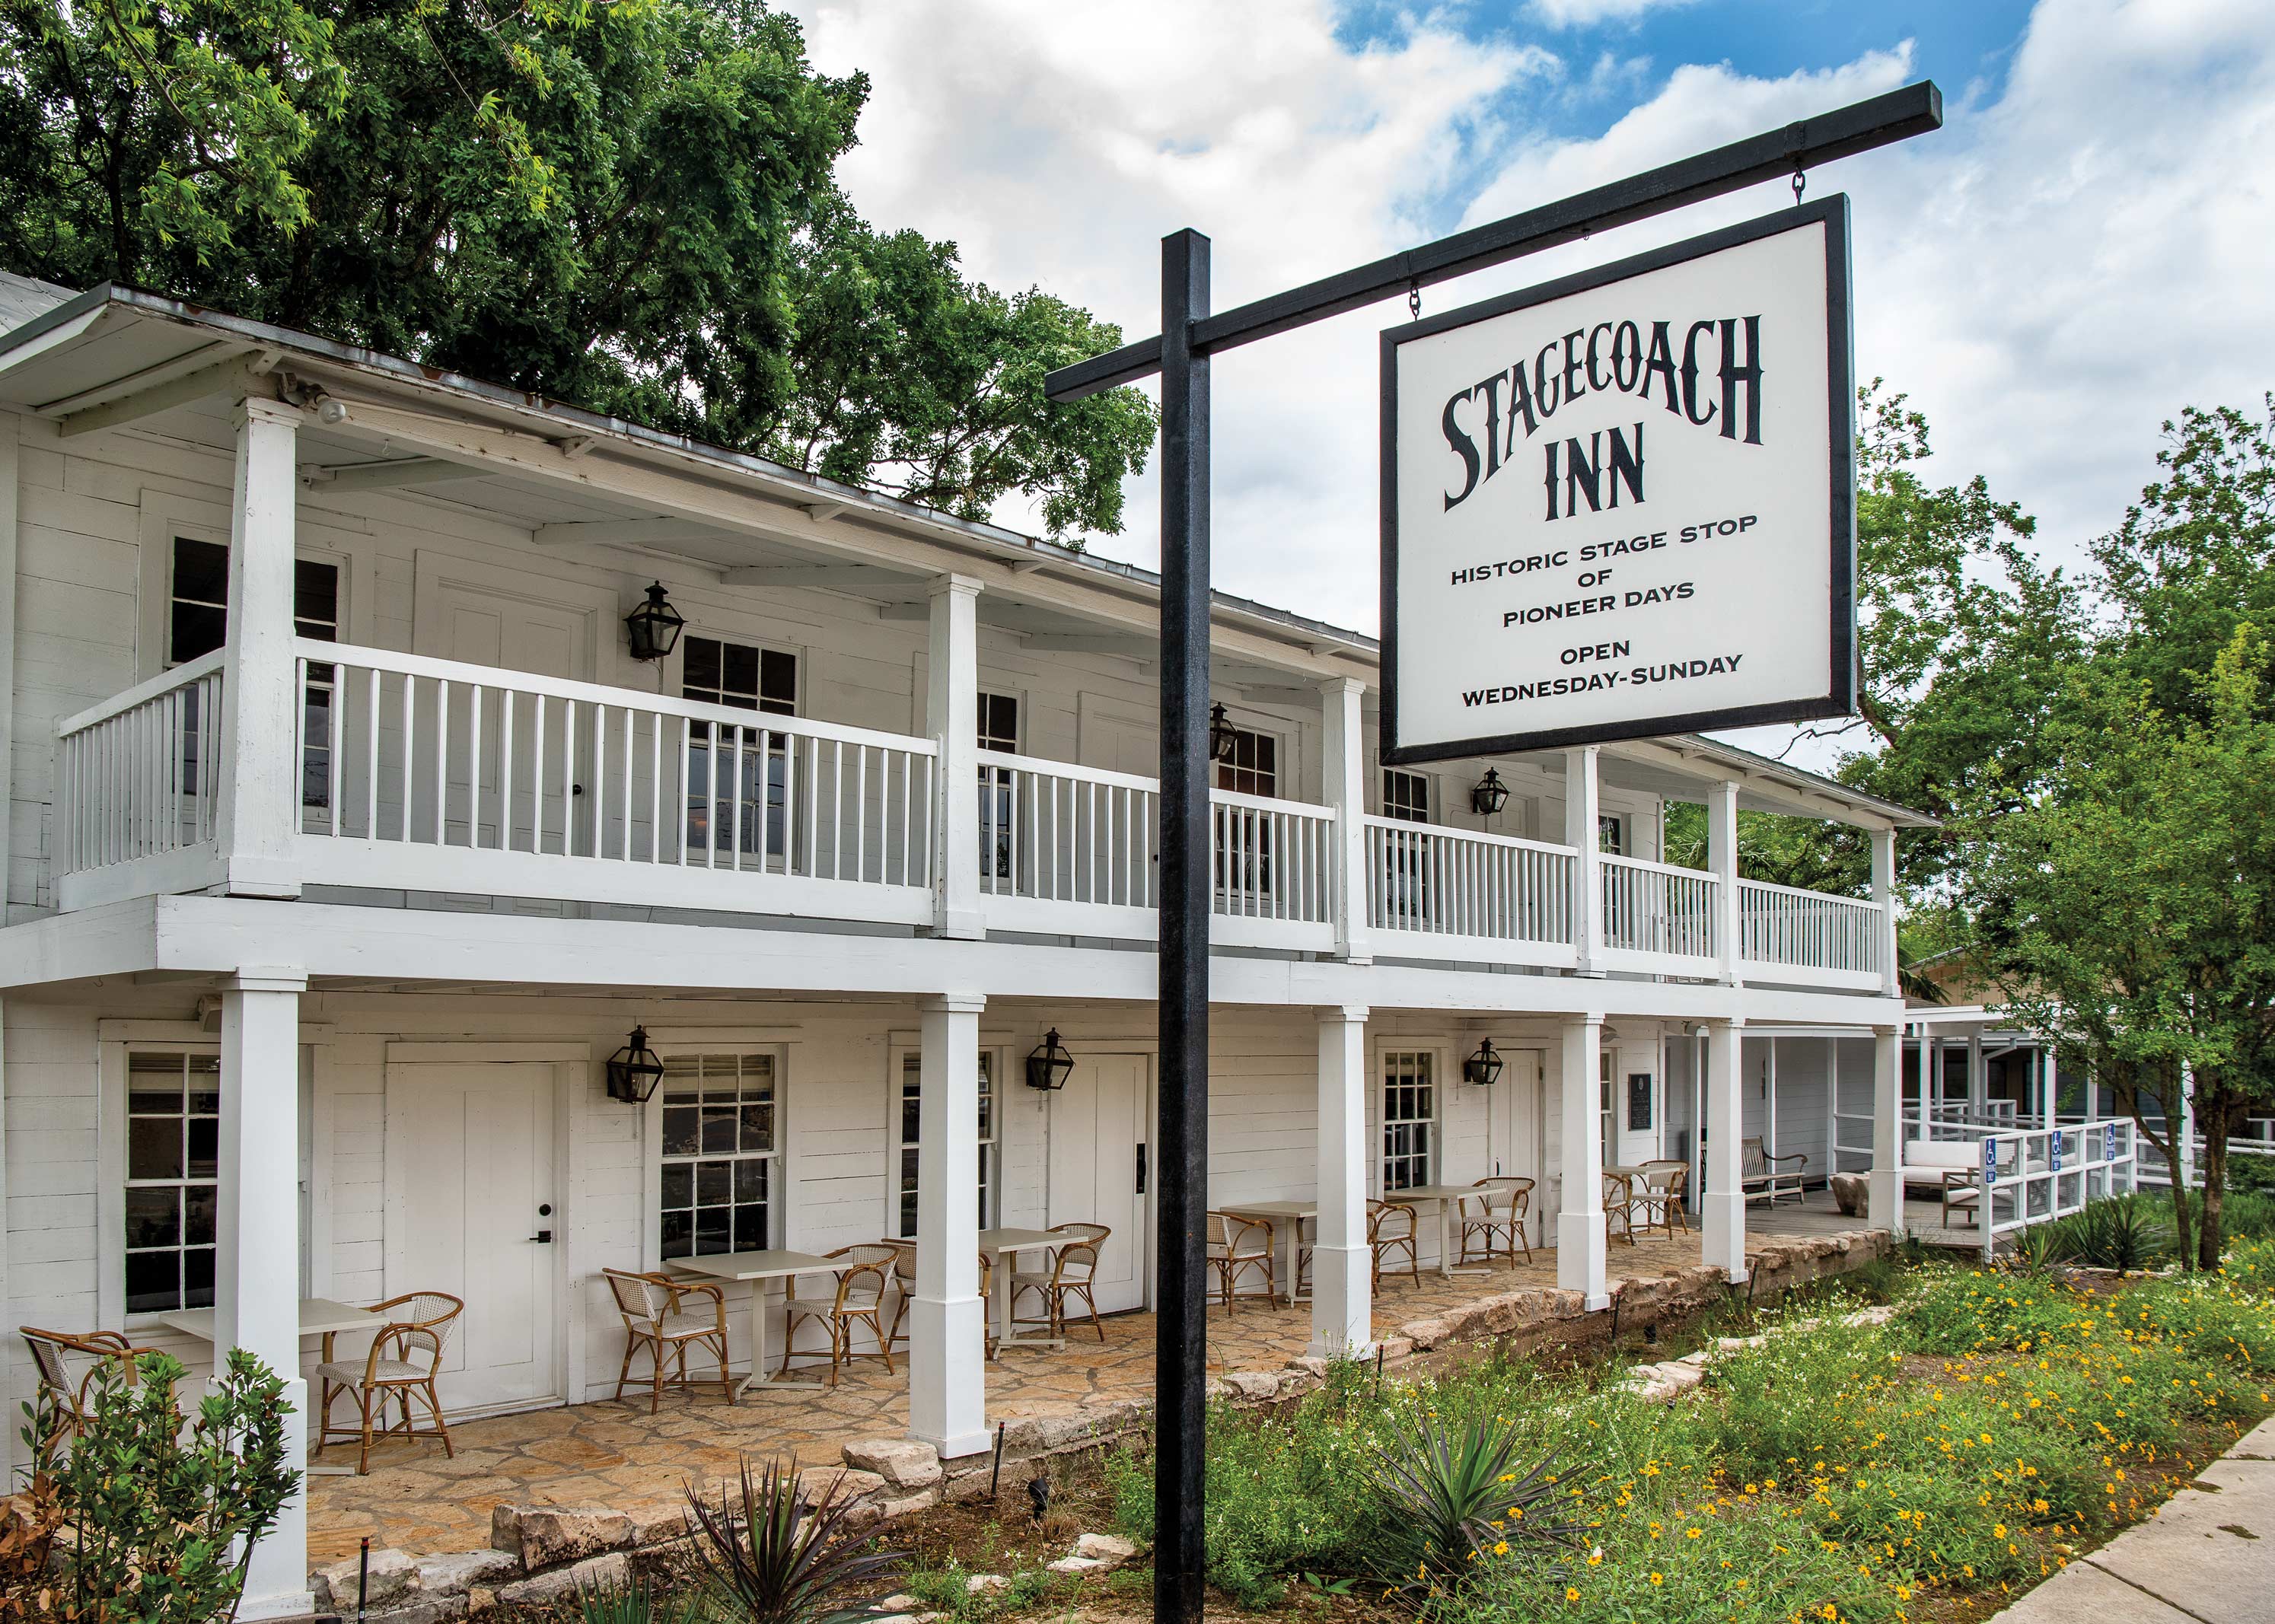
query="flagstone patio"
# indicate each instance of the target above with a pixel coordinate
(619, 1456)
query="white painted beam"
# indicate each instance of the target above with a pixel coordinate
(258, 825)
(200, 359)
(827, 577)
(947, 1327)
(1084, 643)
(1885, 1194)
(388, 475)
(235, 376)
(1580, 1250)
(1722, 1210)
(621, 532)
(1343, 1262)
(907, 611)
(952, 720)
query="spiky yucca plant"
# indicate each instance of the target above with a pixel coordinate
(1454, 1487)
(778, 1560)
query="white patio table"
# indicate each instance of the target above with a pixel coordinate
(758, 1268)
(1290, 1216)
(1443, 1196)
(1004, 1245)
(319, 1316)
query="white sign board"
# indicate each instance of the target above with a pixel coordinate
(1621, 504)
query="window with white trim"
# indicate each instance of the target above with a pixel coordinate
(1410, 1118)
(909, 1126)
(1253, 767)
(1609, 1140)
(742, 677)
(999, 731)
(722, 1154)
(173, 1179)
(197, 622)
(1611, 834)
(1405, 796)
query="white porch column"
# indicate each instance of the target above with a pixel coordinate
(259, 814)
(1580, 1239)
(1722, 1219)
(1884, 894)
(952, 721)
(257, 1267)
(1343, 1262)
(1885, 1200)
(948, 1326)
(1342, 776)
(1931, 1079)
(1978, 1077)
(1722, 859)
(1582, 803)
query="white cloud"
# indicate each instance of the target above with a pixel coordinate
(1585, 13)
(2061, 268)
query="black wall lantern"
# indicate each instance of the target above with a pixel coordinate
(1222, 734)
(1049, 1065)
(653, 627)
(634, 1070)
(1488, 794)
(1484, 1067)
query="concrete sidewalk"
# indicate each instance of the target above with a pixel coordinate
(2207, 1554)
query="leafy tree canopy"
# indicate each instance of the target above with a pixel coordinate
(630, 206)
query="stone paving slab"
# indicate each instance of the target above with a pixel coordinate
(2083, 1591)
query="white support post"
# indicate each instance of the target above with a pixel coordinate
(1931, 1081)
(257, 1267)
(1343, 772)
(952, 721)
(2188, 1122)
(258, 815)
(947, 1325)
(1978, 1077)
(1583, 804)
(1722, 1218)
(1343, 1260)
(1884, 894)
(1722, 859)
(1831, 1109)
(1580, 1239)
(1885, 1200)
(1769, 1097)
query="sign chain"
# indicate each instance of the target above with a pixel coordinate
(1414, 298)
(1800, 185)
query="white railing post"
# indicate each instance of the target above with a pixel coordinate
(1343, 784)
(948, 1323)
(1884, 1193)
(1583, 802)
(1580, 1242)
(1343, 1262)
(1883, 897)
(1722, 858)
(259, 798)
(1722, 1212)
(952, 719)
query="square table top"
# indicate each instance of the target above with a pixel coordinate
(318, 1316)
(773, 1264)
(1431, 1192)
(1020, 1240)
(1270, 1209)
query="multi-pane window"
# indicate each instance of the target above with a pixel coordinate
(1611, 834)
(173, 1173)
(722, 1134)
(910, 1128)
(1410, 1118)
(1405, 796)
(999, 731)
(752, 799)
(1243, 857)
(197, 622)
(1604, 1105)
(1252, 766)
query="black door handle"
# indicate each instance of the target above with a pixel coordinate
(1141, 1167)
(543, 1237)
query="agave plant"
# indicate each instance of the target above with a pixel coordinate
(1453, 1491)
(779, 1560)
(639, 1604)
(2124, 1233)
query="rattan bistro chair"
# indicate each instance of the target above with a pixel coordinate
(864, 1272)
(904, 1286)
(1389, 1231)
(1073, 1266)
(1238, 1246)
(655, 1319)
(400, 1364)
(1665, 1188)
(70, 1366)
(1619, 1203)
(1498, 1211)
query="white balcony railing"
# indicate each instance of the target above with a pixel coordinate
(1656, 908)
(1810, 930)
(420, 775)
(1449, 892)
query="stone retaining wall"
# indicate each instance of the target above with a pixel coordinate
(545, 1552)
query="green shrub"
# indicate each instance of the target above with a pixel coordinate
(2127, 1232)
(1452, 1495)
(777, 1560)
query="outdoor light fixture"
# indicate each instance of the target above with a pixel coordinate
(653, 627)
(634, 1070)
(1488, 794)
(1049, 1065)
(1222, 734)
(1484, 1067)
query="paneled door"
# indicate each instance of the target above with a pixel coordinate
(1100, 1169)
(473, 1210)
(1515, 1121)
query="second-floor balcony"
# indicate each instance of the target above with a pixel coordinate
(413, 775)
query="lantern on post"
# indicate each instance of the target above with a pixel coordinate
(634, 1070)
(1488, 794)
(1049, 1065)
(1484, 1067)
(652, 628)
(1222, 734)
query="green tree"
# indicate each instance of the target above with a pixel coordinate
(630, 206)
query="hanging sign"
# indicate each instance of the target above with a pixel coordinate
(1621, 504)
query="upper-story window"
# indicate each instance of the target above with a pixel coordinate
(752, 815)
(1611, 834)
(999, 723)
(999, 731)
(1405, 796)
(197, 622)
(1253, 767)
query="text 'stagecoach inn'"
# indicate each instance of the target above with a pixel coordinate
(349, 839)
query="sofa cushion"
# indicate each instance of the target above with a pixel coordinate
(1941, 1155)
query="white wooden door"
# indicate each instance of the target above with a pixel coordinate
(479, 625)
(1516, 1124)
(470, 1178)
(1100, 1146)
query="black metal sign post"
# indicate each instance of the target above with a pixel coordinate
(1190, 336)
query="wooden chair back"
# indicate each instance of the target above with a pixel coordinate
(69, 1364)
(868, 1265)
(1753, 1159)
(1387, 1222)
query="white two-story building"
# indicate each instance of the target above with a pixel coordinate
(346, 841)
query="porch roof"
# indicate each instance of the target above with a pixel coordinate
(115, 354)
